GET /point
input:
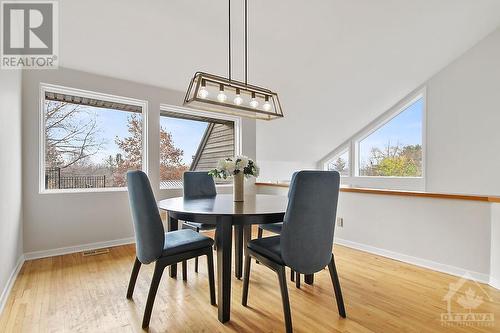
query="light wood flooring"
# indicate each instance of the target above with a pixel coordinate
(72, 293)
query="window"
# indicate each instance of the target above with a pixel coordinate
(340, 163)
(89, 140)
(395, 148)
(389, 153)
(192, 141)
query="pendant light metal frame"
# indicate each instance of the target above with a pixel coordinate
(194, 100)
(192, 97)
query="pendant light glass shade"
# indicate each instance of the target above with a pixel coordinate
(219, 94)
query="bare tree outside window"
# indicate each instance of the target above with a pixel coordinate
(71, 134)
(94, 147)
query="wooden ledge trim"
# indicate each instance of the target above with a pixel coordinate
(404, 193)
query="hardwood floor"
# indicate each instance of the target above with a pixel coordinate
(72, 293)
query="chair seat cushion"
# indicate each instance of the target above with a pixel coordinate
(272, 227)
(268, 247)
(183, 241)
(201, 226)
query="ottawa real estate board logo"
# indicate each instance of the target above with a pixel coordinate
(30, 38)
(464, 301)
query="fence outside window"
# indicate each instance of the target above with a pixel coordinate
(54, 180)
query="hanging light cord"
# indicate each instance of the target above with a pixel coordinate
(246, 42)
(229, 37)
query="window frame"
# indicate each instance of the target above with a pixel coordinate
(46, 87)
(353, 143)
(202, 113)
(337, 153)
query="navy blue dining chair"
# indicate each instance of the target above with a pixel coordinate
(306, 239)
(154, 245)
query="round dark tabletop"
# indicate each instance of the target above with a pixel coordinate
(223, 205)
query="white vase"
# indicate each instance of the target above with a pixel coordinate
(238, 187)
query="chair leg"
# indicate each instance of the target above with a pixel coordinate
(211, 278)
(133, 278)
(155, 282)
(284, 298)
(184, 270)
(215, 239)
(196, 259)
(292, 275)
(260, 231)
(297, 280)
(309, 279)
(336, 287)
(246, 280)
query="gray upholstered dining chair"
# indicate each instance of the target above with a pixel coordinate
(154, 245)
(306, 239)
(197, 184)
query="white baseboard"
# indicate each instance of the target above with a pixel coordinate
(10, 282)
(452, 270)
(77, 248)
(495, 283)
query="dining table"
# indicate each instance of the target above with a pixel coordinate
(226, 214)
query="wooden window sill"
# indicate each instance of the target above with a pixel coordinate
(402, 193)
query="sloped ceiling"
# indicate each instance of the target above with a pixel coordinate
(337, 64)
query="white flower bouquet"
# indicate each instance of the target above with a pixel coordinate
(238, 168)
(232, 166)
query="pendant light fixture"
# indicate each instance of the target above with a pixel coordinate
(225, 95)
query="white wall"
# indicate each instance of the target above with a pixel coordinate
(463, 117)
(452, 233)
(452, 236)
(352, 61)
(66, 220)
(495, 246)
(463, 144)
(282, 170)
(11, 214)
(463, 114)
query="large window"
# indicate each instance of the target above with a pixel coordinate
(340, 163)
(89, 140)
(389, 152)
(395, 148)
(192, 142)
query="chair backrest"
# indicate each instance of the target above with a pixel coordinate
(307, 235)
(148, 227)
(198, 184)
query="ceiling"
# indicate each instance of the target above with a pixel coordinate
(337, 64)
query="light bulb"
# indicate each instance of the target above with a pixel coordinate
(238, 100)
(221, 97)
(267, 105)
(253, 102)
(203, 93)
